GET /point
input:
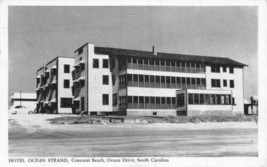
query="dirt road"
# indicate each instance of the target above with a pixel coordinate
(32, 135)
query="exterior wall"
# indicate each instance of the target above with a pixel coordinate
(96, 87)
(217, 110)
(149, 112)
(25, 99)
(160, 92)
(237, 91)
(81, 92)
(50, 92)
(64, 92)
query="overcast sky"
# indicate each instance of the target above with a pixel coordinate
(38, 34)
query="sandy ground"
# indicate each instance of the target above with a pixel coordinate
(32, 135)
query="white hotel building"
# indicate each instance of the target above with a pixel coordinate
(53, 86)
(134, 82)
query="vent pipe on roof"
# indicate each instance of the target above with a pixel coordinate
(153, 50)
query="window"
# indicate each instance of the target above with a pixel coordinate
(224, 69)
(80, 51)
(215, 83)
(113, 79)
(112, 63)
(196, 98)
(231, 69)
(225, 83)
(95, 63)
(82, 103)
(105, 99)
(215, 69)
(66, 83)
(105, 63)
(66, 68)
(105, 79)
(232, 84)
(201, 98)
(66, 102)
(191, 98)
(115, 99)
(233, 101)
(80, 58)
(180, 100)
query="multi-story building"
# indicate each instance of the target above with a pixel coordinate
(134, 82)
(53, 86)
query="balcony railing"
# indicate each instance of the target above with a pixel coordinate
(165, 68)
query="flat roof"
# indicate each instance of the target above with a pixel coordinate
(23, 95)
(222, 61)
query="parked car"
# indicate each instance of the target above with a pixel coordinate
(20, 109)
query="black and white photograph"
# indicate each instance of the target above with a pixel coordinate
(133, 85)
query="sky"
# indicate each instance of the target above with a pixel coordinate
(38, 34)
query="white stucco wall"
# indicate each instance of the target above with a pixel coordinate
(64, 92)
(237, 91)
(96, 87)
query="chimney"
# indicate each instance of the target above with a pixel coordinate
(154, 51)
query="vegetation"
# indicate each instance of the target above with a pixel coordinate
(85, 119)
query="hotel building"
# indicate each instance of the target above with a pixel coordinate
(53, 86)
(134, 82)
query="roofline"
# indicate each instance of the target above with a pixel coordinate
(81, 46)
(58, 58)
(174, 54)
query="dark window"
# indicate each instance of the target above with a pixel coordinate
(225, 83)
(115, 99)
(231, 69)
(65, 102)
(105, 63)
(232, 84)
(66, 68)
(190, 98)
(105, 99)
(224, 69)
(215, 69)
(80, 58)
(112, 63)
(66, 83)
(82, 103)
(215, 83)
(80, 51)
(95, 63)
(105, 79)
(154, 113)
(196, 98)
(113, 79)
(201, 98)
(233, 101)
(180, 100)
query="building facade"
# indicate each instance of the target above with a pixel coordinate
(53, 86)
(134, 82)
(23, 99)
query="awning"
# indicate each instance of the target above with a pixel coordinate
(53, 82)
(81, 78)
(47, 70)
(54, 67)
(76, 99)
(46, 102)
(38, 77)
(79, 63)
(53, 100)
